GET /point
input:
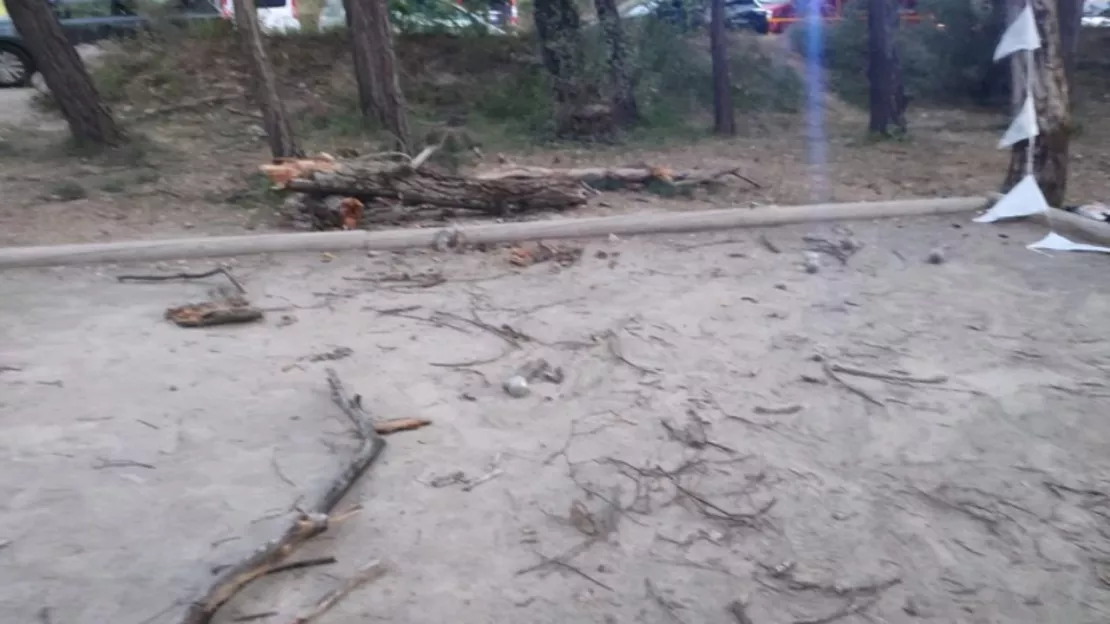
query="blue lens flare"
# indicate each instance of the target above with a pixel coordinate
(816, 142)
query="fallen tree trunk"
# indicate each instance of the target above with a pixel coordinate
(624, 225)
(414, 187)
(610, 177)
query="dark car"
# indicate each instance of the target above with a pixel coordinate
(88, 21)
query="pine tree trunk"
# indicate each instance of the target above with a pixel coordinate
(90, 121)
(379, 85)
(724, 117)
(558, 27)
(625, 110)
(1071, 22)
(279, 131)
(888, 95)
(1050, 95)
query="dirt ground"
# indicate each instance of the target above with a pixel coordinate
(970, 485)
(138, 456)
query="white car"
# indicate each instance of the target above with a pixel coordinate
(275, 16)
(443, 16)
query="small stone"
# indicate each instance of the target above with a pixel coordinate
(812, 262)
(442, 241)
(613, 238)
(848, 244)
(516, 387)
(373, 254)
(936, 256)
(780, 286)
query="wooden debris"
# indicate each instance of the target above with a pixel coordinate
(386, 427)
(308, 523)
(208, 313)
(528, 254)
(184, 276)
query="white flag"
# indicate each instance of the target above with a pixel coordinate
(1020, 35)
(1023, 200)
(1023, 127)
(1055, 242)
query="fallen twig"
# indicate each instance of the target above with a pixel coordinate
(184, 276)
(899, 377)
(667, 606)
(851, 388)
(302, 563)
(386, 427)
(612, 341)
(769, 244)
(120, 463)
(853, 607)
(250, 617)
(307, 524)
(778, 410)
(370, 572)
(560, 563)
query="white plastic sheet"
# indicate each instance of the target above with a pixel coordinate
(1055, 242)
(1023, 127)
(1020, 35)
(1023, 200)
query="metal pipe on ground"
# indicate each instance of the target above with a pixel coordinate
(394, 240)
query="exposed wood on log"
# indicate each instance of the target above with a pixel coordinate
(308, 524)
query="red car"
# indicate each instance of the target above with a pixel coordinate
(785, 12)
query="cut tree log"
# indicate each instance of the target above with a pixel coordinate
(412, 186)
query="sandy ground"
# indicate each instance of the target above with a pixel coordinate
(137, 456)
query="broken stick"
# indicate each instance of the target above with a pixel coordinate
(370, 572)
(307, 525)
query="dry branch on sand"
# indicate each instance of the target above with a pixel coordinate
(308, 523)
(326, 190)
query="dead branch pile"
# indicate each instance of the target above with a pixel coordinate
(392, 188)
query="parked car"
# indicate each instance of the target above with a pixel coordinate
(86, 21)
(425, 16)
(739, 14)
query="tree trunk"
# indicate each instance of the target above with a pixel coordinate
(888, 95)
(1071, 23)
(379, 85)
(90, 121)
(625, 110)
(724, 117)
(558, 27)
(1050, 95)
(279, 131)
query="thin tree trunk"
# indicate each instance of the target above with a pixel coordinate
(90, 121)
(625, 109)
(1050, 96)
(724, 117)
(1071, 23)
(558, 27)
(380, 95)
(888, 95)
(279, 131)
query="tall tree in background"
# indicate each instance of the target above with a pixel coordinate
(279, 131)
(888, 95)
(558, 27)
(90, 121)
(379, 85)
(1050, 96)
(625, 109)
(1070, 13)
(724, 117)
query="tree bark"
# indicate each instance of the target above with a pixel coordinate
(888, 95)
(279, 131)
(1050, 96)
(379, 85)
(724, 117)
(558, 27)
(90, 120)
(625, 109)
(1071, 23)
